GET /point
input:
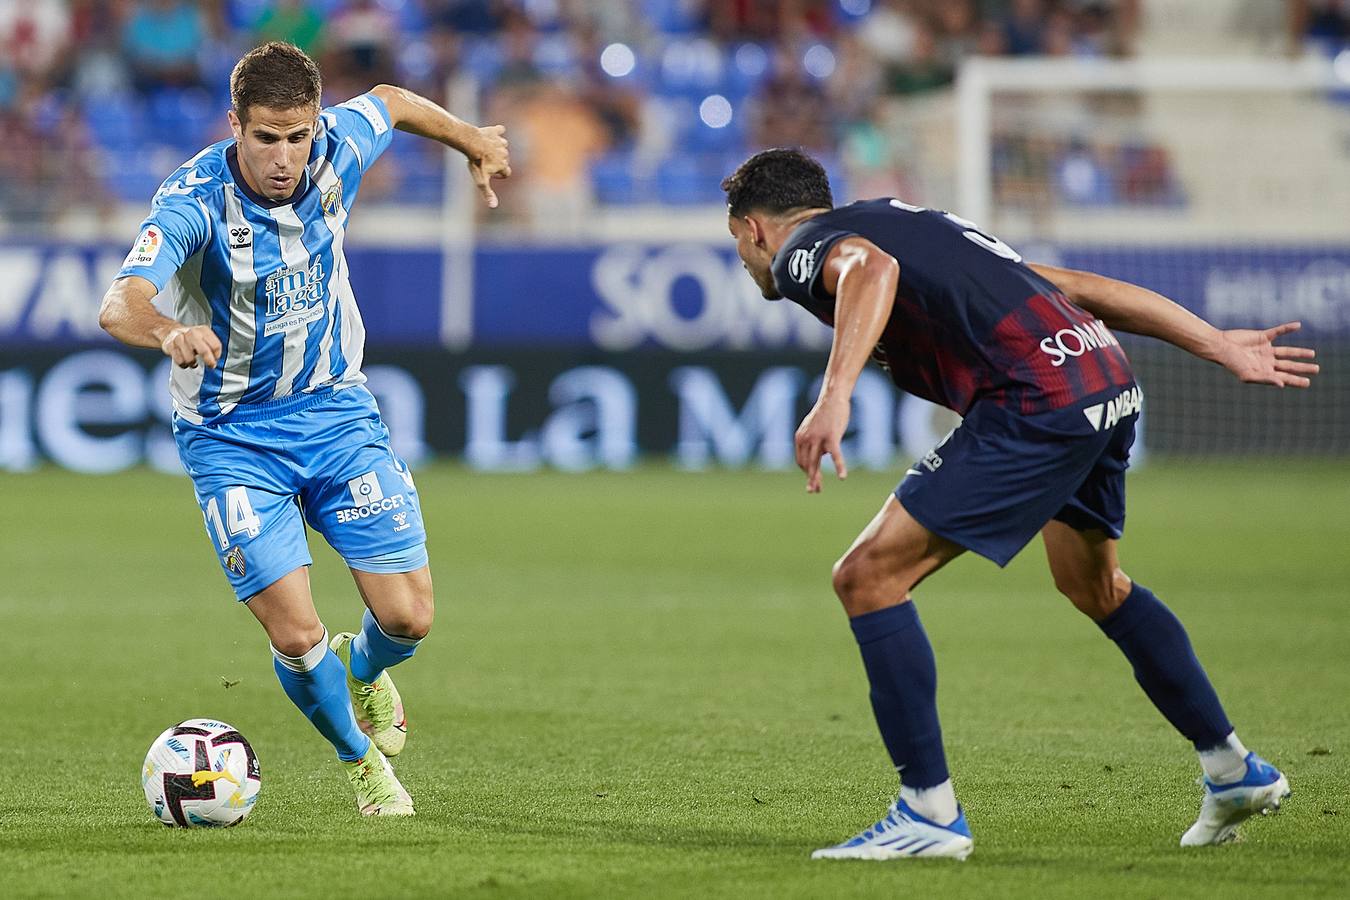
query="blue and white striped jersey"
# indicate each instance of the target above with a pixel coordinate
(269, 277)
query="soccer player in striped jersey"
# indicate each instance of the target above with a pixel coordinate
(271, 417)
(1025, 354)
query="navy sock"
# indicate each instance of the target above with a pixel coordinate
(902, 671)
(1155, 643)
(373, 650)
(317, 685)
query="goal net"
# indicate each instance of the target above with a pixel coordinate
(1224, 185)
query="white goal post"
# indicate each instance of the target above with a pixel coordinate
(981, 78)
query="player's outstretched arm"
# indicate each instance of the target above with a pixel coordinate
(862, 277)
(128, 315)
(1250, 354)
(485, 148)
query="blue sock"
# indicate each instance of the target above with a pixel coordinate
(902, 671)
(373, 651)
(317, 685)
(1155, 643)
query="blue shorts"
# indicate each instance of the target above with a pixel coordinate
(999, 477)
(322, 458)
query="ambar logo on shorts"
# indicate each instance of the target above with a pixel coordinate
(368, 499)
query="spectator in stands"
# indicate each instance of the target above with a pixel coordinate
(889, 32)
(1057, 37)
(991, 39)
(1147, 176)
(925, 69)
(615, 102)
(520, 38)
(95, 68)
(1104, 27)
(34, 34)
(869, 153)
(361, 39)
(293, 21)
(856, 82)
(742, 20)
(476, 17)
(556, 136)
(46, 167)
(894, 49)
(22, 191)
(956, 26)
(9, 87)
(1320, 23)
(1024, 28)
(791, 110)
(161, 40)
(1083, 176)
(1093, 32)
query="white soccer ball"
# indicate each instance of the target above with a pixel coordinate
(201, 773)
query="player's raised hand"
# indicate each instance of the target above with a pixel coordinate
(819, 435)
(188, 343)
(490, 159)
(1254, 357)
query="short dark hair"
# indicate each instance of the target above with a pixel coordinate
(277, 75)
(777, 181)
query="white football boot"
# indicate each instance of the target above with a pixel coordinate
(1226, 806)
(903, 833)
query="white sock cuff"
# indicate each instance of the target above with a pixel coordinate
(1226, 762)
(309, 661)
(1230, 744)
(936, 803)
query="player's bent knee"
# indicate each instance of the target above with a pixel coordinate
(296, 643)
(1095, 597)
(845, 576)
(413, 620)
(862, 585)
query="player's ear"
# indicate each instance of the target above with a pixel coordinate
(236, 126)
(756, 229)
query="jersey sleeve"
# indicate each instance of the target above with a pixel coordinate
(365, 121)
(169, 236)
(800, 261)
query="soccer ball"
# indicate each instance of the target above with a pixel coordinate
(201, 773)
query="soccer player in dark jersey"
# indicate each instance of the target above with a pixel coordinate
(1025, 354)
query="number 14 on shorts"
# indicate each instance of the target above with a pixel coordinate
(239, 516)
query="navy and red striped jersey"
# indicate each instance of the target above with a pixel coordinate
(970, 322)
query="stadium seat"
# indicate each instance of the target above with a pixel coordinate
(672, 16)
(614, 181)
(116, 121)
(687, 179)
(483, 59)
(180, 118)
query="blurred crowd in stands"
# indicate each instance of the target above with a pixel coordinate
(646, 101)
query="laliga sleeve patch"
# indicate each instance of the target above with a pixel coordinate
(146, 249)
(367, 108)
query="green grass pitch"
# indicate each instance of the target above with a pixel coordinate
(640, 684)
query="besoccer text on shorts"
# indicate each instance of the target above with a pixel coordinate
(1026, 355)
(272, 421)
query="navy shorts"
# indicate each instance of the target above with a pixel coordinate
(999, 477)
(320, 458)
